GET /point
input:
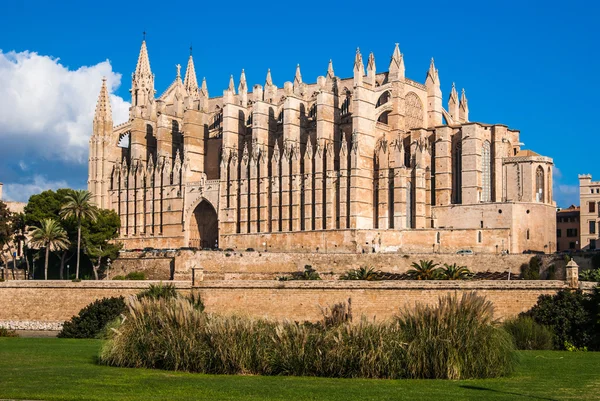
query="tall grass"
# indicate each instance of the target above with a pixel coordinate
(528, 334)
(171, 334)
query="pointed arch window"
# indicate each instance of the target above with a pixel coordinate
(457, 172)
(486, 171)
(409, 205)
(539, 184)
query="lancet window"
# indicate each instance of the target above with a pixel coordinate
(486, 171)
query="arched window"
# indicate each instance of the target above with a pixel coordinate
(409, 205)
(457, 172)
(539, 184)
(346, 105)
(414, 111)
(486, 171)
(312, 112)
(383, 118)
(383, 99)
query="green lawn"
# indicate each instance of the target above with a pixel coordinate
(61, 369)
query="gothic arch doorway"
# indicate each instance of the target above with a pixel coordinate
(204, 226)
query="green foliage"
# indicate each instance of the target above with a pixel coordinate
(590, 275)
(308, 274)
(529, 335)
(4, 332)
(531, 270)
(46, 205)
(91, 320)
(551, 272)
(362, 273)
(424, 270)
(159, 291)
(50, 236)
(135, 276)
(456, 339)
(571, 348)
(98, 236)
(119, 277)
(571, 315)
(454, 272)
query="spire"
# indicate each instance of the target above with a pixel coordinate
(298, 76)
(269, 80)
(453, 103)
(454, 93)
(330, 73)
(231, 87)
(432, 74)
(397, 63)
(178, 67)
(190, 82)
(242, 87)
(103, 110)
(359, 68)
(143, 65)
(463, 108)
(371, 69)
(204, 87)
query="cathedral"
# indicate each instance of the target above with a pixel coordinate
(370, 163)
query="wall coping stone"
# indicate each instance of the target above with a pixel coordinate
(91, 284)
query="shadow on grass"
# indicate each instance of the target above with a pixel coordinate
(505, 392)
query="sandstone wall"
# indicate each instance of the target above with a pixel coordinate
(57, 301)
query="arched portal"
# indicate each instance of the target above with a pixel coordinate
(204, 226)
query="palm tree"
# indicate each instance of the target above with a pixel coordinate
(455, 272)
(49, 235)
(362, 273)
(80, 207)
(424, 270)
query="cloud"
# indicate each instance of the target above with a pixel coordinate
(20, 192)
(565, 195)
(47, 108)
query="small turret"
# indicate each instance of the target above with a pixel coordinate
(359, 69)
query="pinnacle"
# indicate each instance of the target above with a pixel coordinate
(231, 87)
(103, 109)
(242, 85)
(190, 82)
(371, 63)
(397, 60)
(269, 80)
(143, 64)
(358, 63)
(298, 76)
(330, 73)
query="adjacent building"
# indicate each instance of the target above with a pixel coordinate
(589, 198)
(369, 163)
(567, 229)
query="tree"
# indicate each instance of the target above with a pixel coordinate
(49, 235)
(78, 205)
(97, 237)
(6, 232)
(424, 270)
(455, 272)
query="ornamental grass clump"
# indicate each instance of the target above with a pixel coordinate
(456, 339)
(528, 334)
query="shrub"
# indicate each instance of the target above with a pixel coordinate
(4, 332)
(159, 291)
(308, 274)
(424, 270)
(91, 320)
(136, 276)
(119, 277)
(171, 334)
(454, 272)
(570, 315)
(529, 335)
(362, 273)
(531, 270)
(590, 275)
(456, 339)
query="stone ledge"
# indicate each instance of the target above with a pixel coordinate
(385, 285)
(91, 284)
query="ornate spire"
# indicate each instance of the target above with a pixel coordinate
(243, 87)
(454, 94)
(463, 108)
(143, 65)
(358, 62)
(231, 87)
(397, 63)
(269, 80)
(178, 67)
(330, 73)
(190, 82)
(432, 74)
(371, 62)
(298, 76)
(103, 109)
(204, 88)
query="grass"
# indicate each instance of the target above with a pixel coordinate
(65, 369)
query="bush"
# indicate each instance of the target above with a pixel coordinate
(456, 339)
(308, 274)
(119, 277)
(91, 320)
(159, 291)
(171, 334)
(136, 276)
(531, 270)
(529, 335)
(570, 315)
(4, 332)
(362, 273)
(590, 275)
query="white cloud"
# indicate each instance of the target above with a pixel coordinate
(20, 192)
(565, 195)
(46, 109)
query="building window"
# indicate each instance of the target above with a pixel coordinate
(479, 237)
(409, 204)
(539, 185)
(486, 170)
(592, 227)
(527, 233)
(592, 206)
(438, 237)
(571, 232)
(457, 172)
(571, 245)
(558, 232)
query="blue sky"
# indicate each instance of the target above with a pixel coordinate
(530, 65)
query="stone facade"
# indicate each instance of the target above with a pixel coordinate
(589, 201)
(370, 161)
(568, 229)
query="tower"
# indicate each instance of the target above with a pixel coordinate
(99, 160)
